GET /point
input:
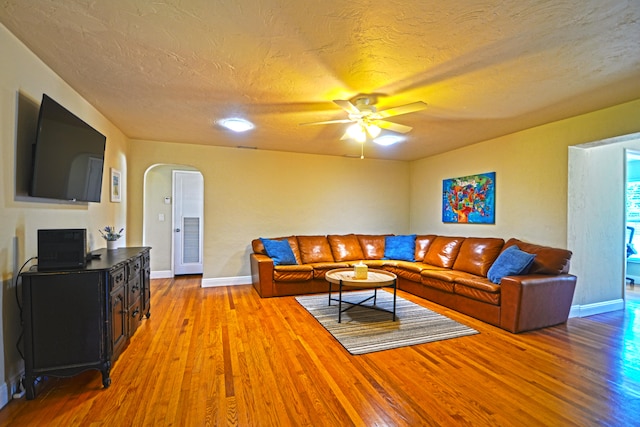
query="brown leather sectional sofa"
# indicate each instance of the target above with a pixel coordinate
(450, 271)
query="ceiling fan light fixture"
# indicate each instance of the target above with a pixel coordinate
(356, 131)
(236, 124)
(388, 140)
(373, 130)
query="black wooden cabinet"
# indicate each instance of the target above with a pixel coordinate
(76, 320)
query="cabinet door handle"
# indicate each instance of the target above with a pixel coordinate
(135, 312)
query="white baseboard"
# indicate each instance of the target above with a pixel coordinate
(596, 308)
(162, 274)
(5, 392)
(7, 389)
(226, 281)
(207, 283)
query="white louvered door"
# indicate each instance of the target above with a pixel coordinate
(188, 189)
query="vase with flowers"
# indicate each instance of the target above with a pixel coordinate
(111, 236)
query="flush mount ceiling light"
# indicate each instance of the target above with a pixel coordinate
(236, 124)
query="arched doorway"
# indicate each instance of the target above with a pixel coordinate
(158, 213)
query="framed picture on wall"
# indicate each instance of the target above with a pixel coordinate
(116, 185)
(469, 199)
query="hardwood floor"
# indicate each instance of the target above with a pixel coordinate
(224, 356)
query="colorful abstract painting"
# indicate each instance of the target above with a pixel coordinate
(469, 199)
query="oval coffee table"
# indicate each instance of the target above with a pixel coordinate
(345, 277)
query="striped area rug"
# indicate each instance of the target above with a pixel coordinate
(364, 330)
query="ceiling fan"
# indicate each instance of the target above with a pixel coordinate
(367, 120)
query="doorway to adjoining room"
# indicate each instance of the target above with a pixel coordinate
(172, 204)
(632, 226)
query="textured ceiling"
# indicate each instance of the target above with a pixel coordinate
(166, 70)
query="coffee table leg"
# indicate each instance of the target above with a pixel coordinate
(329, 293)
(375, 295)
(340, 303)
(395, 288)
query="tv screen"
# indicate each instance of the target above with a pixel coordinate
(68, 156)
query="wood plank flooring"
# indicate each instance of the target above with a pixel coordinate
(224, 356)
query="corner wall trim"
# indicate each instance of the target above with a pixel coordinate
(596, 308)
(226, 281)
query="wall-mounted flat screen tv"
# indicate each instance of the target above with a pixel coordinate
(68, 156)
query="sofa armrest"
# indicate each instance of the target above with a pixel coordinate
(262, 274)
(535, 301)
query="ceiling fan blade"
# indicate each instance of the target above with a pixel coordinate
(347, 106)
(328, 122)
(394, 127)
(403, 109)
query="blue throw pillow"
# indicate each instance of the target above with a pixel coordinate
(511, 262)
(280, 251)
(402, 248)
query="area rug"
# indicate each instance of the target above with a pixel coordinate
(364, 330)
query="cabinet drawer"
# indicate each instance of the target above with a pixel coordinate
(135, 316)
(117, 278)
(133, 289)
(135, 266)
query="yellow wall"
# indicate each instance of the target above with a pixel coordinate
(532, 198)
(253, 193)
(23, 80)
(531, 176)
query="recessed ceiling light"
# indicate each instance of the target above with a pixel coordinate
(388, 139)
(236, 124)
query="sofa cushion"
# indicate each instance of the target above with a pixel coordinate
(511, 262)
(400, 247)
(548, 260)
(373, 263)
(476, 255)
(372, 245)
(481, 283)
(445, 275)
(443, 251)
(321, 268)
(422, 245)
(280, 251)
(477, 294)
(408, 270)
(345, 248)
(258, 246)
(314, 249)
(293, 242)
(292, 273)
